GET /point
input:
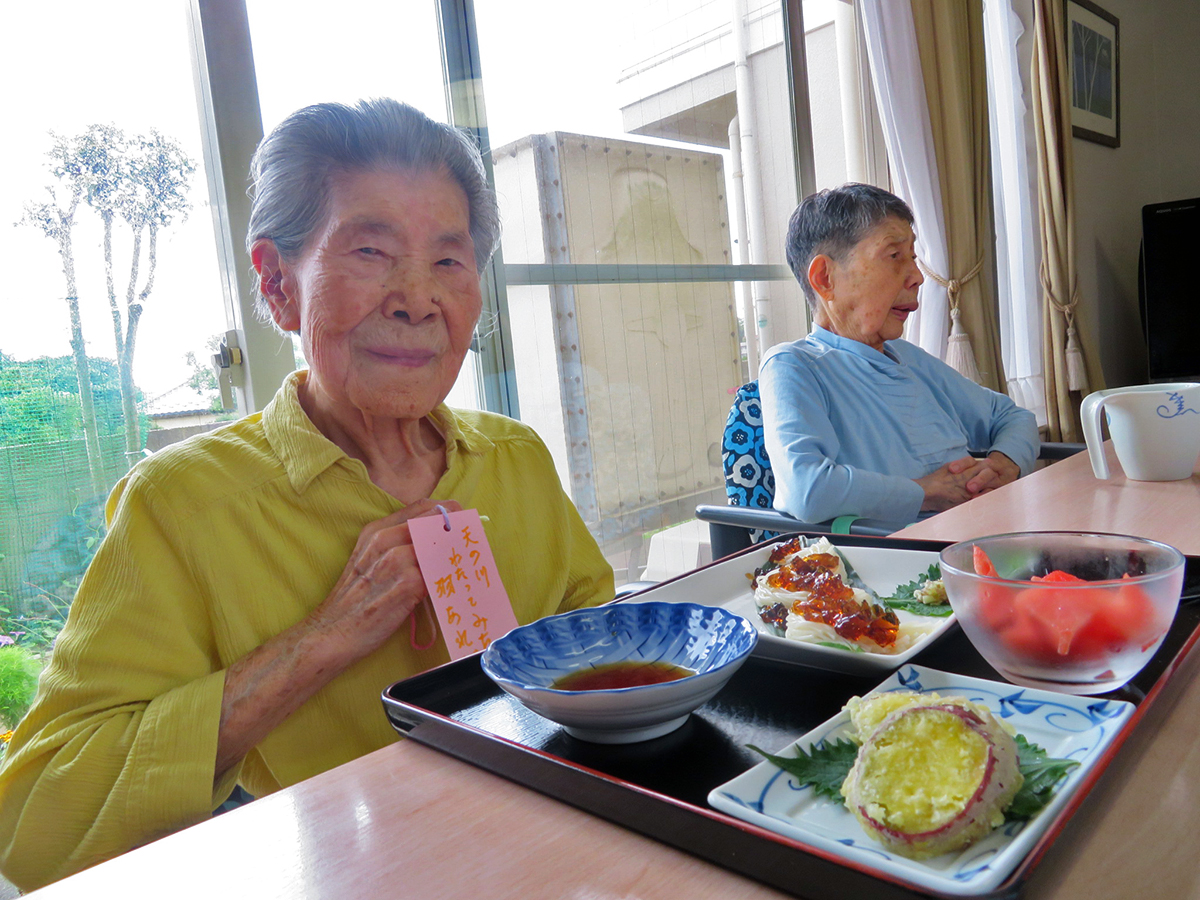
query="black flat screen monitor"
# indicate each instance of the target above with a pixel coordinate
(1171, 289)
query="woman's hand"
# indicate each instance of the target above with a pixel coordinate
(1005, 469)
(948, 486)
(961, 479)
(379, 588)
(995, 471)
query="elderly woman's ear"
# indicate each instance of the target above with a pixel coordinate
(820, 275)
(270, 268)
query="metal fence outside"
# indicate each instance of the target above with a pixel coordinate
(51, 519)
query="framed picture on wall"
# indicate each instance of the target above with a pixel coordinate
(1093, 62)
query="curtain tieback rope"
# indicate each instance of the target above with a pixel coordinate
(959, 354)
(1076, 371)
(952, 285)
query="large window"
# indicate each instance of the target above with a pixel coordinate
(646, 158)
(111, 297)
(645, 176)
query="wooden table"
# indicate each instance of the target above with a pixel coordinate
(406, 821)
(409, 821)
(1066, 496)
(1138, 832)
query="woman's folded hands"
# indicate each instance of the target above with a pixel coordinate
(961, 479)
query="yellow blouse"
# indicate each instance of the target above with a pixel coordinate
(213, 546)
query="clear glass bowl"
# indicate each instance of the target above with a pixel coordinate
(1085, 637)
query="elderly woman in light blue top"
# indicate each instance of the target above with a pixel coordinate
(857, 421)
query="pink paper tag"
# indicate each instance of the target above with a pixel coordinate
(460, 574)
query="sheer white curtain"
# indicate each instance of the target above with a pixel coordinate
(900, 95)
(1018, 250)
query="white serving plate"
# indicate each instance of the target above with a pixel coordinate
(1065, 726)
(727, 584)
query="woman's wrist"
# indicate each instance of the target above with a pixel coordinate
(1004, 466)
(271, 682)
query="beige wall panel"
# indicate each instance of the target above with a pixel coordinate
(659, 360)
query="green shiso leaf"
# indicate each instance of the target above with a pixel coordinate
(1042, 775)
(917, 608)
(826, 767)
(837, 646)
(905, 596)
(908, 591)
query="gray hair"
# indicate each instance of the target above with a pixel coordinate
(293, 166)
(832, 222)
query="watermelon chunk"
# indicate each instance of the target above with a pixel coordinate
(983, 565)
(1060, 614)
(1058, 576)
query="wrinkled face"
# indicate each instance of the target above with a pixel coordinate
(872, 291)
(385, 295)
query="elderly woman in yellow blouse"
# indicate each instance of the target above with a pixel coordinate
(258, 587)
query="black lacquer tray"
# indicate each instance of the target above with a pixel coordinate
(659, 787)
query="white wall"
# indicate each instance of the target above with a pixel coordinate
(1158, 160)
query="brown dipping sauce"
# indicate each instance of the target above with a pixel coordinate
(620, 675)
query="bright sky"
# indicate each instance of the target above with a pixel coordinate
(136, 78)
(128, 64)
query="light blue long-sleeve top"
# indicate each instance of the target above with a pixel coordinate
(848, 428)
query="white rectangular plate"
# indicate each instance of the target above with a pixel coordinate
(883, 569)
(1065, 726)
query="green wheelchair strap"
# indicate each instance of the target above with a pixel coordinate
(841, 525)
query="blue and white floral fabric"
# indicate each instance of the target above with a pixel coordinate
(748, 477)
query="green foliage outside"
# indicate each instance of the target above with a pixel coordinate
(33, 622)
(50, 519)
(204, 380)
(137, 183)
(19, 670)
(39, 399)
(20, 667)
(70, 426)
(51, 522)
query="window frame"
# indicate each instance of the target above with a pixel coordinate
(231, 125)
(230, 129)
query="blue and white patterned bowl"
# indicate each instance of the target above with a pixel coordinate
(711, 641)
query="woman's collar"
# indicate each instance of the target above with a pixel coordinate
(858, 348)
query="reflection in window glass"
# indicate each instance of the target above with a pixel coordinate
(114, 100)
(615, 151)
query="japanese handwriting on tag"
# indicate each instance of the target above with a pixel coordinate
(456, 562)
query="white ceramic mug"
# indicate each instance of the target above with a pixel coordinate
(1155, 430)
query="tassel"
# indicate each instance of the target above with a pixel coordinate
(1076, 373)
(959, 355)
